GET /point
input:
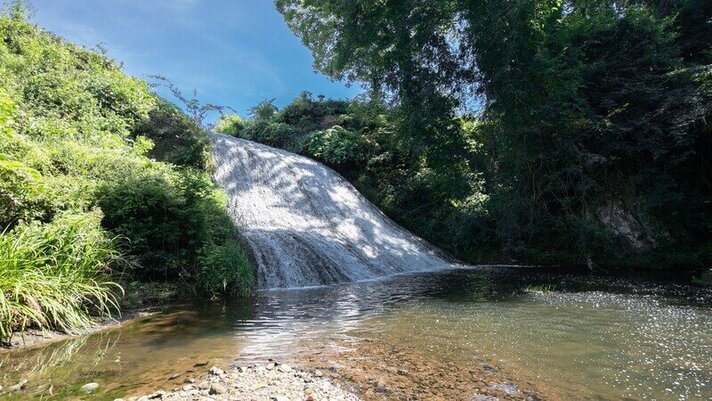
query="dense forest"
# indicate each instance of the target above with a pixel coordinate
(101, 183)
(550, 132)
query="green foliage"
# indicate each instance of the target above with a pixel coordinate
(54, 275)
(230, 124)
(89, 153)
(337, 146)
(224, 269)
(177, 139)
(587, 106)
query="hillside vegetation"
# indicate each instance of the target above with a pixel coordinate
(101, 181)
(535, 131)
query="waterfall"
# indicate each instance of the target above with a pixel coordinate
(306, 225)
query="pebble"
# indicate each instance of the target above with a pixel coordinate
(259, 383)
(157, 395)
(89, 387)
(175, 376)
(215, 371)
(18, 387)
(217, 389)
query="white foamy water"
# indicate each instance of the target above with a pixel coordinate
(306, 225)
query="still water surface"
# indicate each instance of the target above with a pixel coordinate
(574, 336)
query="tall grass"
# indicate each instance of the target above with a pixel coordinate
(54, 276)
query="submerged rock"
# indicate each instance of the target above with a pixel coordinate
(509, 389)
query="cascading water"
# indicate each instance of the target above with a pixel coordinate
(308, 226)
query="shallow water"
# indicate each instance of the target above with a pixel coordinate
(573, 336)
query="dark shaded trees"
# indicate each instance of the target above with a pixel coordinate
(594, 120)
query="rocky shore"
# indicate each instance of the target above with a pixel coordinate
(270, 382)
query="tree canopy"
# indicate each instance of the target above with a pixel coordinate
(593, 114)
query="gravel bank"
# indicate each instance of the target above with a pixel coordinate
(271, 382)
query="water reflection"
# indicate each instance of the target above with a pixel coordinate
(579, 336)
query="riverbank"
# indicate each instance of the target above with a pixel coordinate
(36, 338)
(140, 300)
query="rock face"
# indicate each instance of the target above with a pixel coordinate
(308, 226)
(257, 383)
(623, 223)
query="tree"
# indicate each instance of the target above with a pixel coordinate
(588, 106)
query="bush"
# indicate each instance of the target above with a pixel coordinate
(177, 139)
(230, 124)
(224, 269)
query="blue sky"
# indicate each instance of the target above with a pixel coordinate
(233, 52)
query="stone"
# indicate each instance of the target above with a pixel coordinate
(381, 386)
(284, 368)
(118, 399)
(217, 389)
(89, 387)
(204, 385)
(270, 366)
(188, 387)
(509, 389)
(318, 373)
(18, 387)
(175, 376)
(215, 371)
(258, 386)
(157, 395)
(189, 381)
(280, 398)
(484, 398)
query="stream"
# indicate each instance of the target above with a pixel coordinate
(570, 336)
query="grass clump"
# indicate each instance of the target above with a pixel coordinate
(55, 275)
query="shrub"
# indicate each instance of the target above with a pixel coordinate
(230, 124)
(224, 269)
